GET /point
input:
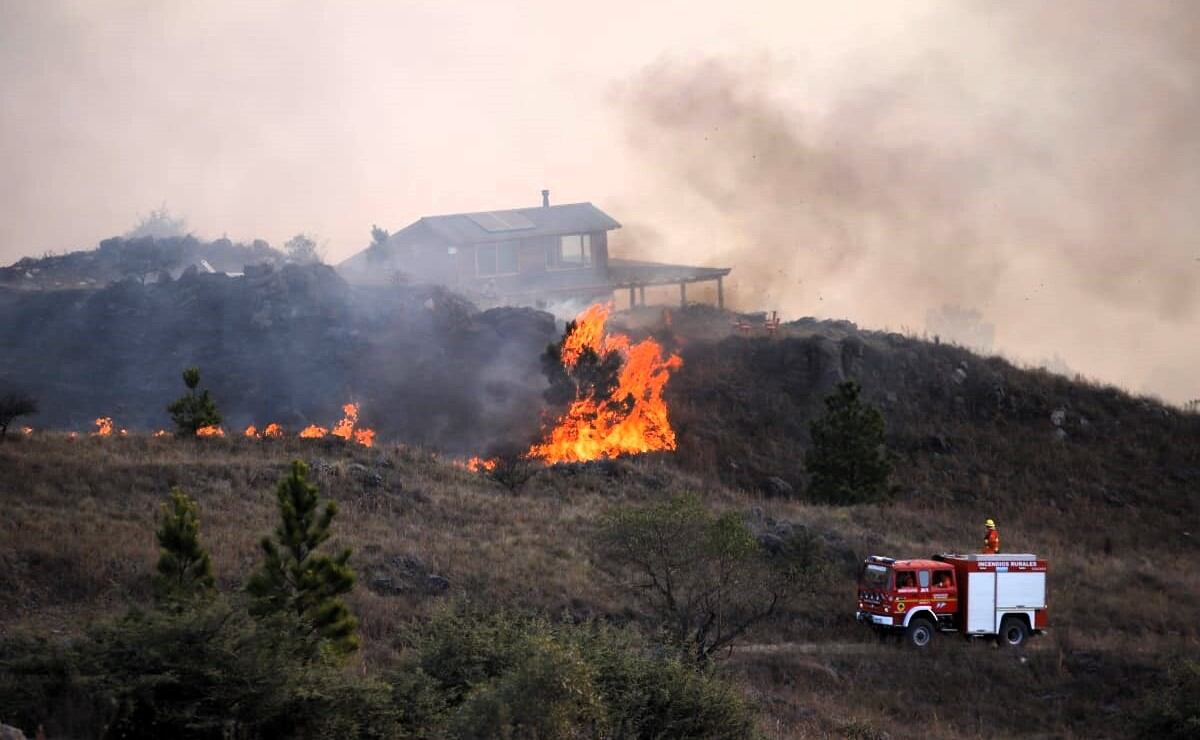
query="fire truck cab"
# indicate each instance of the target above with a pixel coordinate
(1000, 596)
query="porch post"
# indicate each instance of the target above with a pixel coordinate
(683, 295)
(642, 294)
(721, 292)
(632, 297)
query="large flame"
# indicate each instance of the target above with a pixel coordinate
(595, 428)
(273, 431)
(211, 430)
(104, 427)
(312, 431)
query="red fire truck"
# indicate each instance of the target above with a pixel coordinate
(1001, 596)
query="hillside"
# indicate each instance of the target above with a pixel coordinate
(1102, 484)
(287, 345)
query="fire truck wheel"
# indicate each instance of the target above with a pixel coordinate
(919, 633)
(1013, 632)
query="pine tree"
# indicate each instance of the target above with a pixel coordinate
(184, 568)
(193, 410)
(295, 580)
(849, 461)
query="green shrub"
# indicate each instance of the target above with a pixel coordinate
(205, 672)
(184, 567)
(848, 460)
(193, 410)
(295, 580)
(499, 675)
(705, 577)
(1173, 710)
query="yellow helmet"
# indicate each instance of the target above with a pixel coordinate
(989, 524)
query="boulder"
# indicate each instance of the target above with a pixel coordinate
(776, 486)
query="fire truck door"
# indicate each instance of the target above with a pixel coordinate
(981, 603)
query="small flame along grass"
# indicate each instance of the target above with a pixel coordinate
(104, 427)
(210, 431)
(480, 465)
(346, 429)
(597, 428)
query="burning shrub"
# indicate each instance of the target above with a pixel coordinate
(614, 393)
(13, 406)
(848, 460)
(706, 578)
(194, 411)
(297, 583)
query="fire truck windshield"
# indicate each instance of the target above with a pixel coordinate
(875, 577)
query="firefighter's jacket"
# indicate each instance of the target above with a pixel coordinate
(991, 542)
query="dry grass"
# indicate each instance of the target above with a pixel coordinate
(77, 544)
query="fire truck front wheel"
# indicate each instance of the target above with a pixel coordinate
(920, 632)
(1014, 631)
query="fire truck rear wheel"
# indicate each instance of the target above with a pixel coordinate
(919, 633)
(1013, 632)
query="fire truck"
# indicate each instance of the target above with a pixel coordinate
(999, 596)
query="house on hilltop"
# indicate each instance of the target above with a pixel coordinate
(521, 256)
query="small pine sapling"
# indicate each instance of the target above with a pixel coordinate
(298, 582)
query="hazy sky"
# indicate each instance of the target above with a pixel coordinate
(1036, 161)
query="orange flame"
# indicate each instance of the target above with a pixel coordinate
(104, 427)
(251, 431)
(273, 430)
(210, 431)
(162, 433)
(345, 427)
(479, 464)
(596, 428)
(27, 431)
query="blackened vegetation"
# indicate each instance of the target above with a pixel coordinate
(286, 344)
(13, 406)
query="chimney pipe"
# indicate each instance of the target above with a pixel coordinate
(545, 199)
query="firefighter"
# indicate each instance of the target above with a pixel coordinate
(991, 540)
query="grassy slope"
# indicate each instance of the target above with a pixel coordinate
(1114, 507)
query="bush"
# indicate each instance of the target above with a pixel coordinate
(194, 410)
(848, 460)
(499, 675)
(1174, 710)
(297, 581)
(13, 406)
(705, 577)
(207, 672)
(184, 567)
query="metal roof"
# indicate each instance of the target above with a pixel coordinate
(490, 226)
(629, 273)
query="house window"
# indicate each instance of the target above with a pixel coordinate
(574, 251)
(496, 259)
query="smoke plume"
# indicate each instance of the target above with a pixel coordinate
(1038, 163)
